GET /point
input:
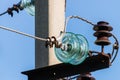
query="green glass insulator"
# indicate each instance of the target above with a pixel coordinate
(29, 6)
(84, 49)
(70, 47)
(74, 48)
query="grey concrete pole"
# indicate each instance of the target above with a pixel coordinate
(49, 21)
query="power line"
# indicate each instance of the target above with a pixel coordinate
(15, 7)
(22, 33)
(78, 17)
(3, 13)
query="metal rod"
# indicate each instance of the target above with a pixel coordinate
(102, 48)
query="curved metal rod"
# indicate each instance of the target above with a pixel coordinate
(117, 45)
(78, 17)
(113, 51)
(114, 56)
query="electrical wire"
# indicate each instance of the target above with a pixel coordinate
(3, 13)
(16, 7)
(115, 48)
(22, 33)
(78, 17)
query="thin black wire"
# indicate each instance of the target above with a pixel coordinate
(3, 13)
(113, 51)
(18, 5)
(117, 43)
(115, 56)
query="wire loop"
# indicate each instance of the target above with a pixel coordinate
(78, 17)
(52, 41)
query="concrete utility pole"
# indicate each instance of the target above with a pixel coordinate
(49, 21)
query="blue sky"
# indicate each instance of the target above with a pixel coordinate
(17, 51)
(94, 11)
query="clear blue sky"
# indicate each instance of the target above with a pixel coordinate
(17, 51)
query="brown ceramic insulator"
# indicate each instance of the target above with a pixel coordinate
(102, 25)
(102, 33)
(102, 41)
